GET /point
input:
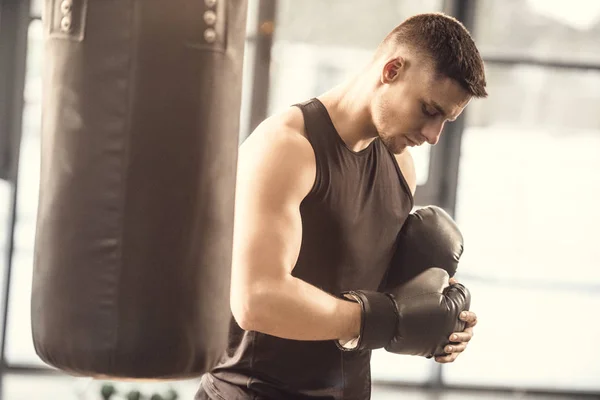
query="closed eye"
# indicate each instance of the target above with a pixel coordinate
(428, 113)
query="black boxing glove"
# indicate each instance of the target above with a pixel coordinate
(428, 313)
(415, 319)
(416, 311)
(428, 238)
(428, 251)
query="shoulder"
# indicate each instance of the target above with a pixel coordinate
(281, 131)
(278, 154)
(407, 166)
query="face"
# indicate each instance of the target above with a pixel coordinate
(412, 104)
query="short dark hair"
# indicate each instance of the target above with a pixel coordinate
(449, 46)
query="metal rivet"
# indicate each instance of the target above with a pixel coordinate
(210, 35)
(210, 3)
(66, 6)
(65, 23)
(210, 17)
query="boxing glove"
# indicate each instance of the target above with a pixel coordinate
(428, 310)
(415, 319)
(416, 310)
(428, 238)
(428, 251)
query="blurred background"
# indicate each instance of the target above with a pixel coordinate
(520, 171)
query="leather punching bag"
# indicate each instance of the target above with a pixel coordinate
(139, 148)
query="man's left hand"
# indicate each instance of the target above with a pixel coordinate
(461, 338)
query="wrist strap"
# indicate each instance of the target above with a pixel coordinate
(379, 320)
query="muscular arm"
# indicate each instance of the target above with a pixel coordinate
(276, 170)
(407, 166)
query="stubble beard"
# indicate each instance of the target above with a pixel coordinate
(392, 144)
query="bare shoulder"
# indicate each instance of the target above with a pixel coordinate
(282, 131)
(407, 166)
(278, 155)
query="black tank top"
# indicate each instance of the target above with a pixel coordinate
(350, 221)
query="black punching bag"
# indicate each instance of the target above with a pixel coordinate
(135, 222)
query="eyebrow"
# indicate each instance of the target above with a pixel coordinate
(441, 110)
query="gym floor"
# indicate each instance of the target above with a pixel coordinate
(42, 387)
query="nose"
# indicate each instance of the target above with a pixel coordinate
(432, 131)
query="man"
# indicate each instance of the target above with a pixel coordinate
(323, 189)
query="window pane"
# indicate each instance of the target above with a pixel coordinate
(5, 210)
(19, 347)
(37, 7)
(534, 338)
(558, 102)
(344, 23)
(558, 30)
(522, 171)
(527, 204)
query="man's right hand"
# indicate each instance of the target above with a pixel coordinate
(415, 320)
(428, 314)
(429, 238)
(417, 309)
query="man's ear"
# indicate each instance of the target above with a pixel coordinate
(392, 69)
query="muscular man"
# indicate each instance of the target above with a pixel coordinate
(323, 189)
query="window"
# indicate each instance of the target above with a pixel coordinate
(527, 205)
(541, 29)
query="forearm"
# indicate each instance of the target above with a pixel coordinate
(294, 309)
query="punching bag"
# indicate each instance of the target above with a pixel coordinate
(139, 146)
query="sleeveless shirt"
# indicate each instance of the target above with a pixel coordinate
(350, 221)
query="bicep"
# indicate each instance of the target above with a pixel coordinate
(274, 175)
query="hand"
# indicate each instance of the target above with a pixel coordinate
(462, 338)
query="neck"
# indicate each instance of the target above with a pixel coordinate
(349, 106)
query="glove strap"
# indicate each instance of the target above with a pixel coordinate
(379, 319)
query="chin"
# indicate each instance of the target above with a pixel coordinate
(399, 150)
(393, 146)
